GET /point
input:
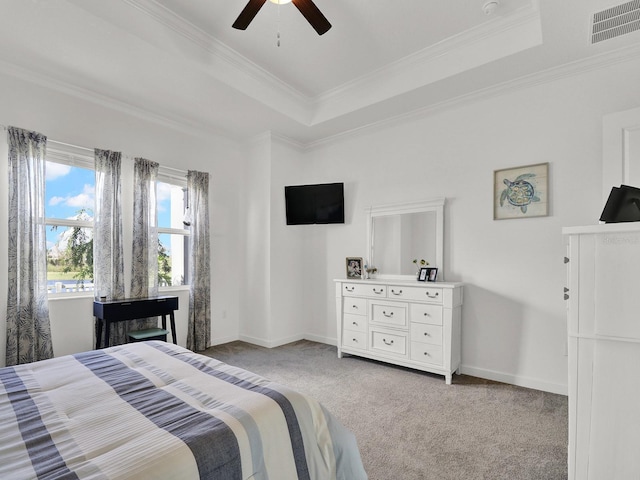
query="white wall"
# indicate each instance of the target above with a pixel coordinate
(290, 316)
(514, 325)
(274, 312)
(255, 314)
(71, 120)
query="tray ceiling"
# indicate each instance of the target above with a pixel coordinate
(179, 61)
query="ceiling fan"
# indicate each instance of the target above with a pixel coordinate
(307, 8)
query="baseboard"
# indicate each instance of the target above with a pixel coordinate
(271, 343)
(221, 340)
(320, 339)
(518, 380)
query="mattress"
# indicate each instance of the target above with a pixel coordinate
(156, 410)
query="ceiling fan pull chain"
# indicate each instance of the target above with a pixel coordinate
(278, 24)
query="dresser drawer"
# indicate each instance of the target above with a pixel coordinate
(388, 313)
(425, 353)
(354, 339)
(364, 290)
(431, 295)
(395, 343)
(355, 306)
(355, 322)
(425, 313)
(426, 333)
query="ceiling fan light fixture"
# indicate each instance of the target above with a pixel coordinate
(280, 2)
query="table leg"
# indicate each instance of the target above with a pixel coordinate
(164, 321)
(173, 327)
(98, 332)
(106, 332)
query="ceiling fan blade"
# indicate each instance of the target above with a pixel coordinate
(313, 15)
(250, 11)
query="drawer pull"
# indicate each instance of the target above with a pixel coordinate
(350, 289)
(432, 296)
(378, 292)
(399, 292)
(427, 354)
(355, 340)
(354, 323)
(387, 343)
(427, 314)
(355, 307)
(388, 315)
(161, 300)
(426, 334)
(125, 304)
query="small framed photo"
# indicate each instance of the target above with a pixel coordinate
(432, 273)
(423, 275)
(354, 267)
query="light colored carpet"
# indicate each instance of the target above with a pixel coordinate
(410, 425)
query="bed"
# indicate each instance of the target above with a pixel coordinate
(156, 410)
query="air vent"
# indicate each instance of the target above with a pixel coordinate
(616, 21)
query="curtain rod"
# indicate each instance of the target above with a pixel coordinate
(164, 168)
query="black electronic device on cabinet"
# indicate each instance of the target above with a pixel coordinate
(623, 205)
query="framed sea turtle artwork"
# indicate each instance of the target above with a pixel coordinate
(521, 192)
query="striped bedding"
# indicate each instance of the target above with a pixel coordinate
(153, 410)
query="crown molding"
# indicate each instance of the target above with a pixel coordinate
(521, 18)
(208, 43)
(174, 122)
(271, 136)
(578, 67)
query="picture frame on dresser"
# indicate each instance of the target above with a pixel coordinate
(423, 275)
(354, 267)
(432, 274)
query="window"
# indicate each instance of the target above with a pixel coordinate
(70, 200)
(173, 234)
(69, 203)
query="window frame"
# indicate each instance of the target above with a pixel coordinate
(178, 178)
(73, 157)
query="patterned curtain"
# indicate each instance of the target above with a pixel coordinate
(144, 270)
(108, 260)
(199, 323)
(28, 326)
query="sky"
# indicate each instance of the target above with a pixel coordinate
(70, 189)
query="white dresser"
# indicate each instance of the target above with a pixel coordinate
(603, 293)
(407, 323)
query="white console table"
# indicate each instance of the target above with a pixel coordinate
(408, 323)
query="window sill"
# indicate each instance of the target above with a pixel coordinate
(90, 294)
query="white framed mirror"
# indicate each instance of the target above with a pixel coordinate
(399, 233)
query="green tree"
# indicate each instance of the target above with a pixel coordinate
(164, 265)
(78, 255)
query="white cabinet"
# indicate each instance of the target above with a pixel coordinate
(402, 322)
(603, 294)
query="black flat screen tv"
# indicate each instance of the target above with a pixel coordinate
(309, 204)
